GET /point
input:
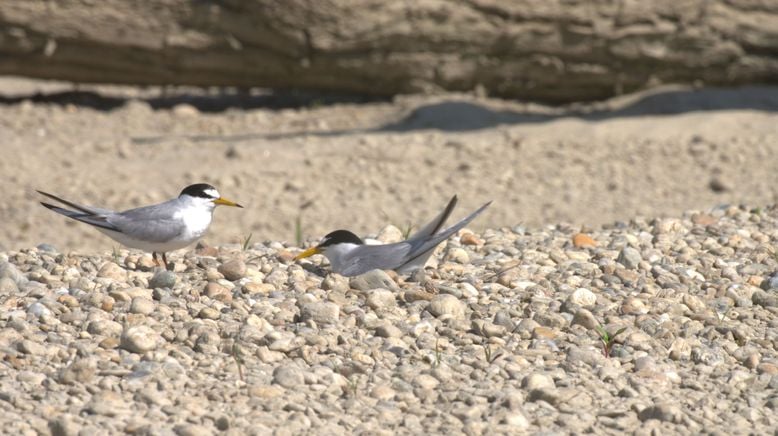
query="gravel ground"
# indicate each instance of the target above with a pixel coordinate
(500, 339)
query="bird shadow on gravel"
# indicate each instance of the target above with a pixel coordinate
(314, 269)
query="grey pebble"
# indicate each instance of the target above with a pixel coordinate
(46, 247)
(629, 257)
(771, 283)
(162, 279)
(504, 319)
(388, 331)
(288, 376)
(320, 312)
(38, 310)
(765, 299)
(9, 270)
(27, 346)
(222, 423)
(63, 425)
(645, 363)
(662, 412)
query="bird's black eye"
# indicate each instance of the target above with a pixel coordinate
(202, 190)
(340, 237)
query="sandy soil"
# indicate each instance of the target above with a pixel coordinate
(362, 165)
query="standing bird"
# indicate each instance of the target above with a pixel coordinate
(350, 256)
(158, 228)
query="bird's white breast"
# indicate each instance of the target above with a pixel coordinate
(196, 221)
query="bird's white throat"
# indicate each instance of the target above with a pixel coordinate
(197, 216)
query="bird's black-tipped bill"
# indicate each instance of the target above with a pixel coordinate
(224, 202)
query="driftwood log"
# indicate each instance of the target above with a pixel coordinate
(546, 50)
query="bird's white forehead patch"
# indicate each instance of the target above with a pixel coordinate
(212, 193)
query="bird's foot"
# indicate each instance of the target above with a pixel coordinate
(170, 266)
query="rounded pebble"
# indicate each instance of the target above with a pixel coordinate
(234, 269)
(141, 305)
(162, 279)
(447, 305)
(139, 339)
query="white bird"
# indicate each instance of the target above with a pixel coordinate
(158, 228)
(350, 256)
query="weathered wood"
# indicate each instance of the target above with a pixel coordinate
(549, 50)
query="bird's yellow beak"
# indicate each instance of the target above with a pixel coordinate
(308, 253)
(224, 202)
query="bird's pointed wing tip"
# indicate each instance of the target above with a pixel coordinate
(452, 202)
(46, 194)
(485, 206)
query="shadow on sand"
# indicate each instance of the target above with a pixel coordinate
(457, 114)
(209, 102)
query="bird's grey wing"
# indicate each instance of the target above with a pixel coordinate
(155, 223)
(370, 257)
(433, 226)
(422, 248)
(161, 211)
(86, 214)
